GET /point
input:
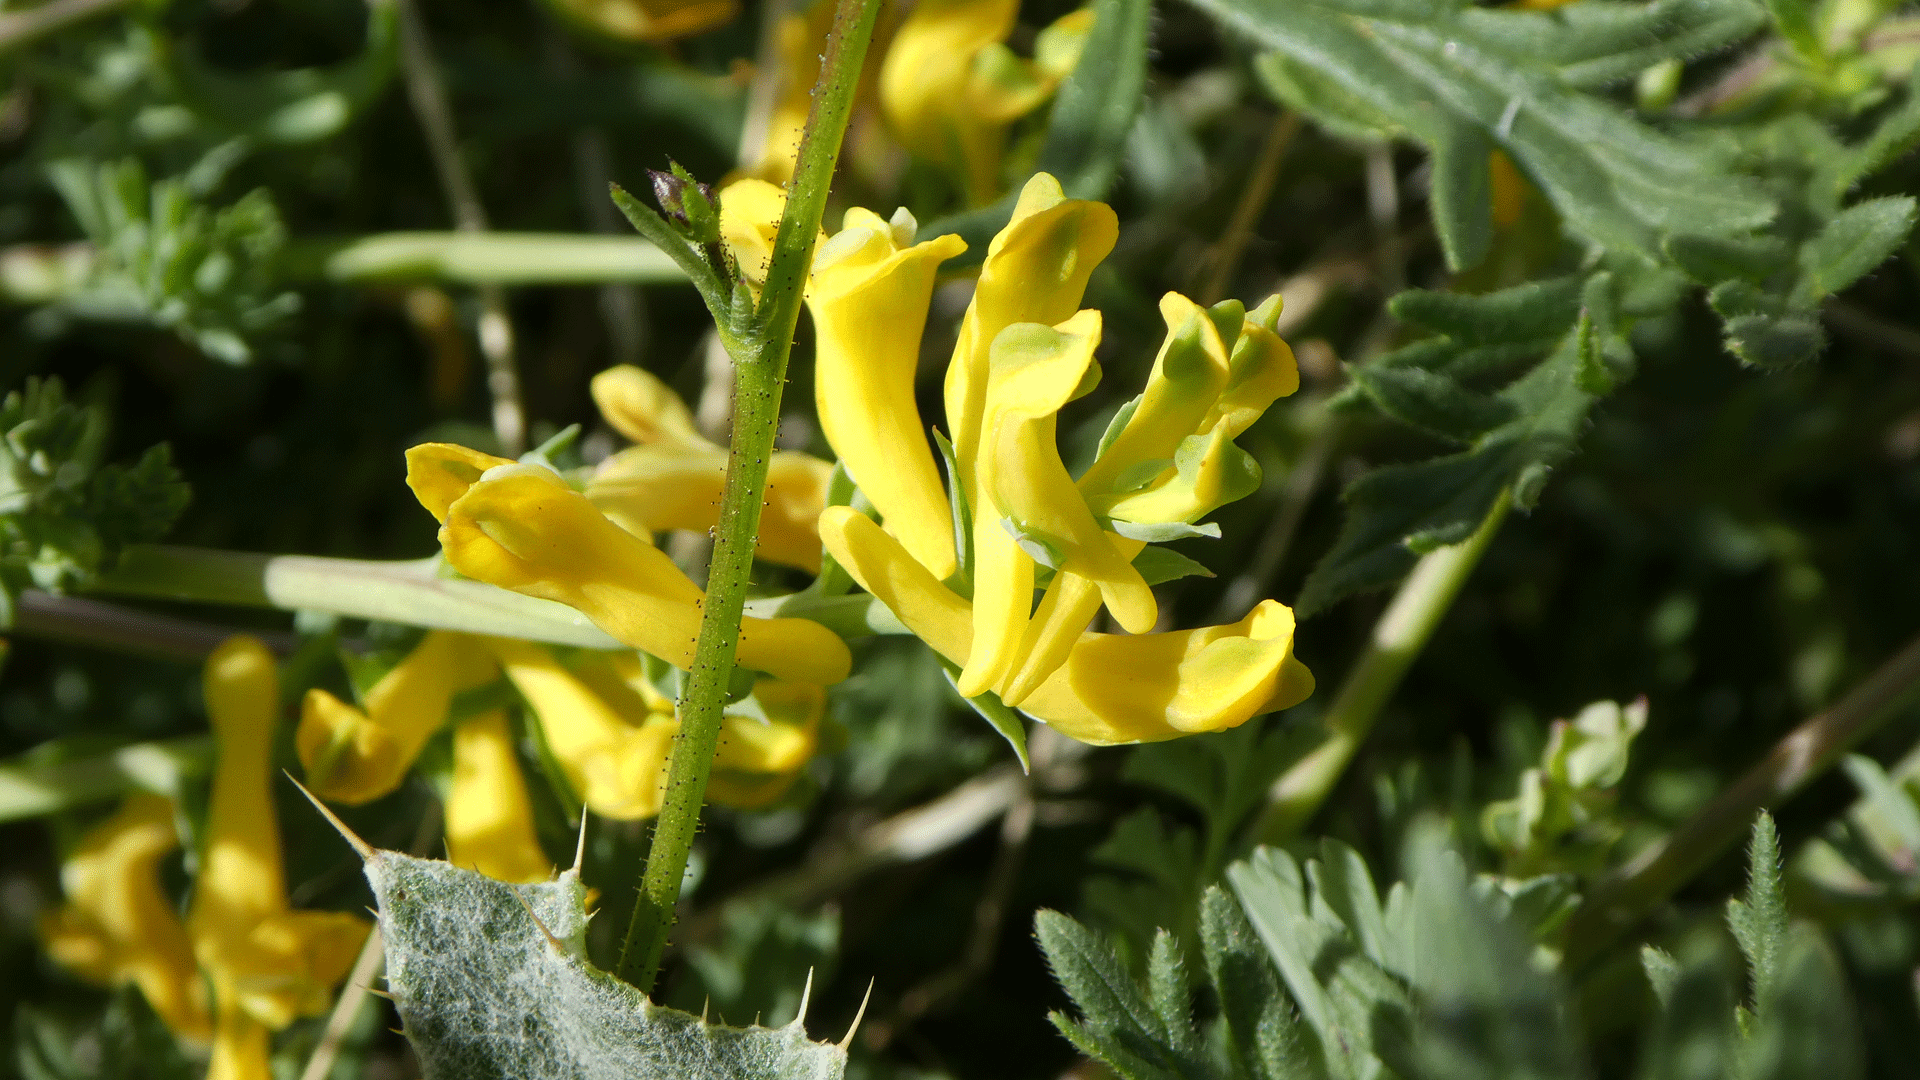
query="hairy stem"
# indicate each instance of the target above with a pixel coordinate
(1625, 896)
(1397, 640)
(760, 372)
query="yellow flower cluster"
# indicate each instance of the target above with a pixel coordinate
(605, 725)
(265, 963)
(949, 88)
(1024, 351)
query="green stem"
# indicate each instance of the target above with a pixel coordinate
(50, 273)
(403, 592)
(1397, 640)
(30, 788)
(1624, 897)
(407, 591)
(760, 372)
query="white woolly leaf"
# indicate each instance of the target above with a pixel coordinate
(491, 981)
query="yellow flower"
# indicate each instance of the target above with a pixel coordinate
(119, 927)
(611, 732)
(1112, 688)
(1020, 483)
(1036, 271)
(267, 964)
(799, 41)
(646, 20)
(355, 757)
(489, 818)
(950, 89)
(868, 293)
(520, 527)
(674, 478)
(1171, 459)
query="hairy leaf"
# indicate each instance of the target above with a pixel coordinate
(491, 981)
(1459, 79)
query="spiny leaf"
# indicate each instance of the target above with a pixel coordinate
(491, 981)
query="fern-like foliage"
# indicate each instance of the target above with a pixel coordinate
(1311, 974)
(64, 513)
(163, 258)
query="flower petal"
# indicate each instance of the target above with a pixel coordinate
(489, 817)
(524, 529)
(1036, 271)
(1113, 688)
(869, 298)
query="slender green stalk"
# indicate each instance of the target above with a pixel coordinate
(19, 28)
(1625, 896)
(1397, 640)
(404, 592)
(32, 788)
(760, 371)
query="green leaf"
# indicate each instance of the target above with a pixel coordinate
(1358, 1015)
(1011, 726)
(1160, 565)
(1713, 259)
(1806, 1028)
(1770, 341)
(160, 257)
(1121, 1026)
(1093, 112)
(1259, 1019)
(962, 511)
(1396, 512)
(1855, 241)
(1458, 78)
(1891, 804)
(1159, 532)
(491, 980)
(1693, 1035)
(1663, 973)
(1759, 922)
(1794, 19)
(1431, 401)
(1897, 133)
(1486, 1010)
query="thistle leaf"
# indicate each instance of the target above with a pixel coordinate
(491, 981)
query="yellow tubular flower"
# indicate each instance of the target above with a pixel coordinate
(1023, 485)
(118, 927)
(800, 39)
(1036, 271)
(267, 964)
(521, 527)
(1113, 688)
(869, 293)
(675, 477)
(646, 20)
(950, 89)
(612, 761)
(611, 732)
(355, 757)
(758, 760)
(489, 818)
(1198, 398)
